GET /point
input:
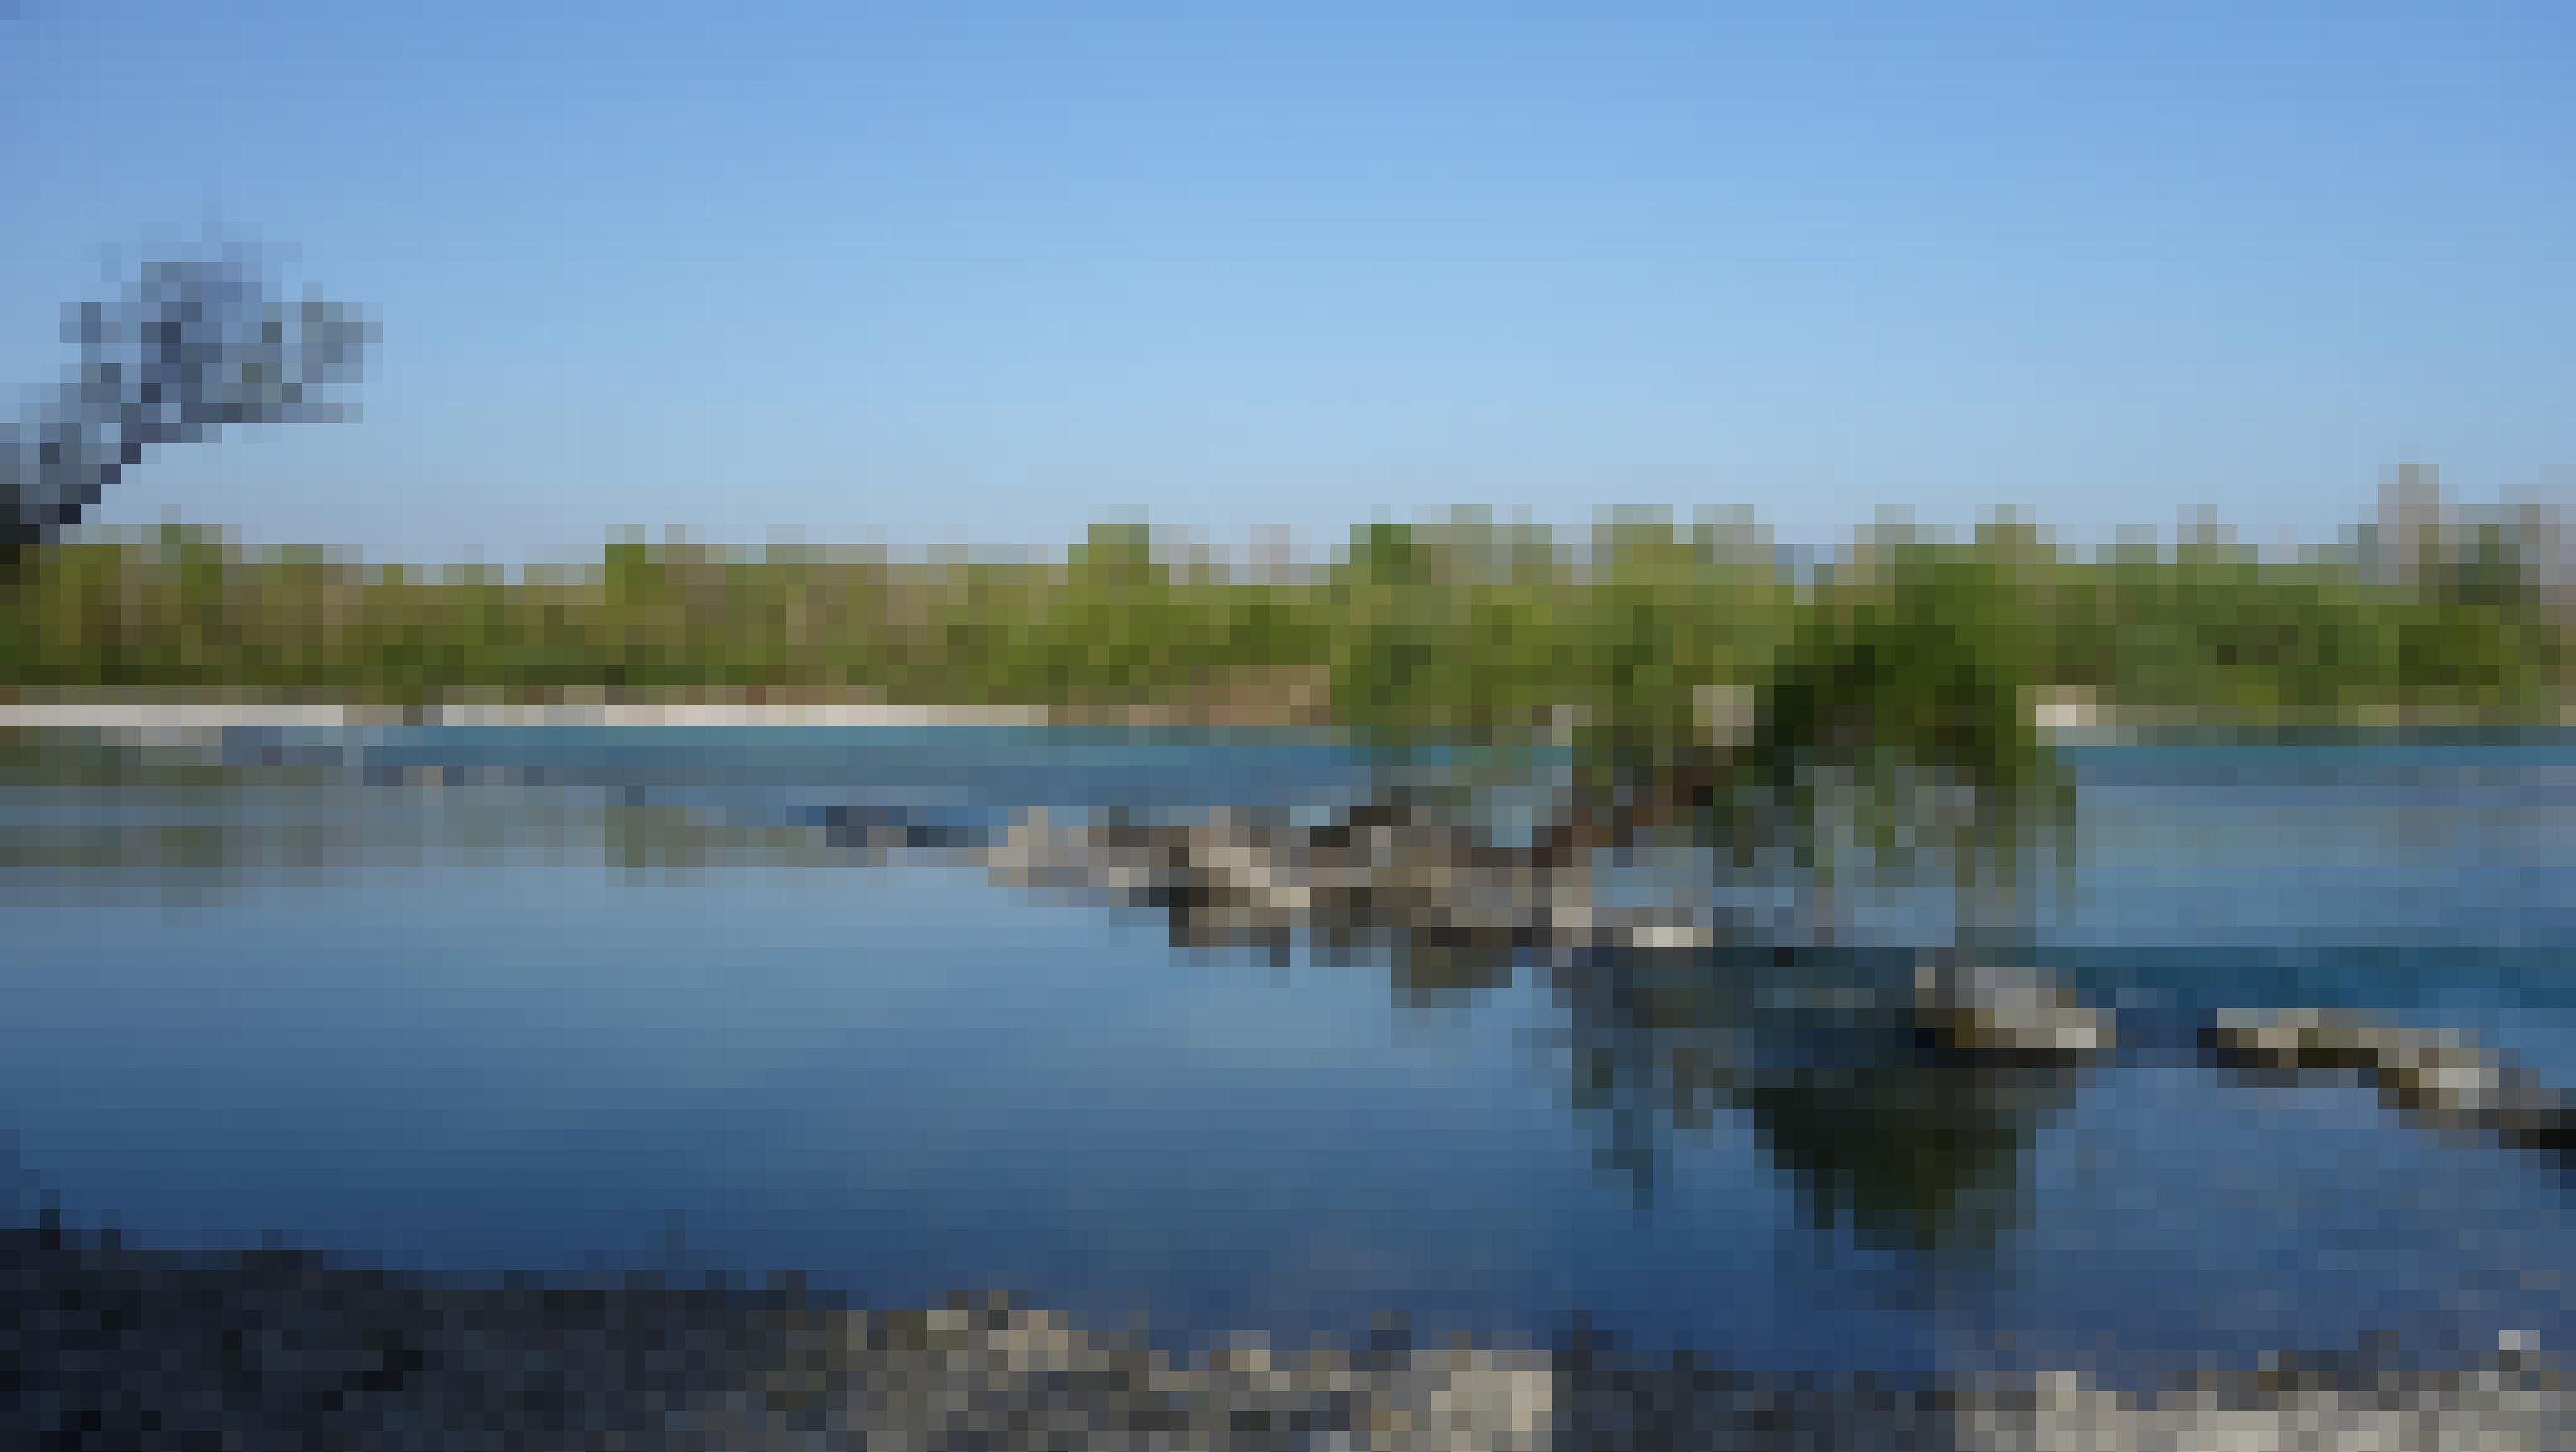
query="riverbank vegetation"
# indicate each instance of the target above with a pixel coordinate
(1449, 628)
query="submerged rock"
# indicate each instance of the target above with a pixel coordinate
(1986, 1008)
(2431, 1074)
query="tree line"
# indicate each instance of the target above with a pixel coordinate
(1453, 627)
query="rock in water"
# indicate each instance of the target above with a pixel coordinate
(1983, 1008)
(2432, 1074)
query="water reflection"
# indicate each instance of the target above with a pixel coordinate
(1884, 1136)
(1671, 1010)
(851, 1040)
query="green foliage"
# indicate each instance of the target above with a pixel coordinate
(1900, 706)
(1917, 650)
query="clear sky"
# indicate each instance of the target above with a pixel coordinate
(980, 273)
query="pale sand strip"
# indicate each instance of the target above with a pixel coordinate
(2057, 717)
(142, 716)
(736, 714)
(216, 716)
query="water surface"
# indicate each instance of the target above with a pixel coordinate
(480, 998)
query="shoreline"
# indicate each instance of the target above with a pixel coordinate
(213, 715)
(2059, 722)
(280, 1347)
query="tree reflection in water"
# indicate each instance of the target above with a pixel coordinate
(1881, 1133)
(1884, 1134)
(1818, 1047)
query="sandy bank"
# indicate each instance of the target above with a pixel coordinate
(2060, 717)
(216, 716)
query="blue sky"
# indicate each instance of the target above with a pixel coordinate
(982, 273)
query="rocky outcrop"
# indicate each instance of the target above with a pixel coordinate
(1234, 875)
(1990, 1009)
(2433, 1075)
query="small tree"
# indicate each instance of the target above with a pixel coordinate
(191, 345)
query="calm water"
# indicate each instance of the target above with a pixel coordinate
(629, 1007)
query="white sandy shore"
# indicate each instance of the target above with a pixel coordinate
(2058, 719)
(213, 716)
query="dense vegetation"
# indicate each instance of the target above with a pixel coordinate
(1458, 627)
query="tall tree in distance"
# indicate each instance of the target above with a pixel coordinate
(191, 344)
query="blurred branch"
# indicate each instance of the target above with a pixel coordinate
(191, 345)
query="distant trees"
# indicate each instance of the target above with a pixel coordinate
(1893, 697)
(191, 345)
(1456, 628)
(2425, 545)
